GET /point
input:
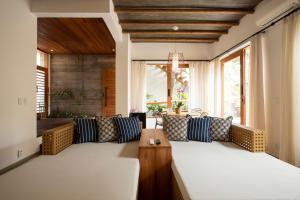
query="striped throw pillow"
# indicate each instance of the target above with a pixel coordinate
(199, 129)
(86, 130)
(128, 129)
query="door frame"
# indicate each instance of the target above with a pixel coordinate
(240, 53)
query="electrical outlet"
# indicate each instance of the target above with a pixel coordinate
(20, 153)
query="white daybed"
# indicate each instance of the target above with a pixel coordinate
(225, 171)
(90, 171)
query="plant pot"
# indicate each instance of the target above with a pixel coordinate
(178, 111)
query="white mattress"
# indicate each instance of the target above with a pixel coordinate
(89, 171)
(215, 171)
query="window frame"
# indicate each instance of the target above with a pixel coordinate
(242, 54)
(46, 95)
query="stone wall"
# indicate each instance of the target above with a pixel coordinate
(75, 83)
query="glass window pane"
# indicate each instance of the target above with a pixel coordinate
(156, 87)
(40, 59)
(247, 82)
(40, 91)
(232, 92)
(181, 87)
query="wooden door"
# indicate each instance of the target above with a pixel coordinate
(109, 88)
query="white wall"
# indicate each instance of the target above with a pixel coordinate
(160, 51)
(71, 6)
(246, 28)
(123, 72)
(17, 80)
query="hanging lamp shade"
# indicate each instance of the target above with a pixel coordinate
(175, 59)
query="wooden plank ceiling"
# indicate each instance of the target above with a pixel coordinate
(74, 36)
(198, 21)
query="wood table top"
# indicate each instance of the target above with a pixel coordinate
(155, 134)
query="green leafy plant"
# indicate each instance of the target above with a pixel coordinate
(155, 108)
(179, 104)
(63, 94)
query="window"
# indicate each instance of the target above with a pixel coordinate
(42, 83)
(165, 86)
(180, 79)
(234, 85)
(156, 85)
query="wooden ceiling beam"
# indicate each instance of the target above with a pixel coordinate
(182, 32)
(175, 40)
(179, 22)
(193, 10)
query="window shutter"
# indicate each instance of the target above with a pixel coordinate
(40, 90)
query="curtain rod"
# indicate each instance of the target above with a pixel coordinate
(162, 60)
(258, 32)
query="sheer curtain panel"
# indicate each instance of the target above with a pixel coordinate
(290, 91)
(138, 86)
(205, 80)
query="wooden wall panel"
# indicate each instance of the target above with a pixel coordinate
(109, 84)
(74, 35)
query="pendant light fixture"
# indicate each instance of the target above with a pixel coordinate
(175, 59)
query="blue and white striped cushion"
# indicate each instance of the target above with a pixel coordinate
(86, 130)
(128, 129)
(199, 129)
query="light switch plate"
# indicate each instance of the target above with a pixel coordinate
(19, 101)
(24, 101)
(20, 153)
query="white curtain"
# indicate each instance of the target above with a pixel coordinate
(215, 91)
(274, 88)
(261, 113)
(138, 86)
(204, 86)
(256, 105)
(290, 91)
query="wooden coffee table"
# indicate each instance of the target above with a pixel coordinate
(155, 180)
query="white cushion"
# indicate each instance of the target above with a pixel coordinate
(89, 171)
(222, 170)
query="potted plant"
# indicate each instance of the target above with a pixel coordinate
(178, 106)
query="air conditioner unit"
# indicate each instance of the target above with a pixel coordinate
(277, 12)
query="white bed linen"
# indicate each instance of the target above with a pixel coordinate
(224, 171)
(90, 171)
